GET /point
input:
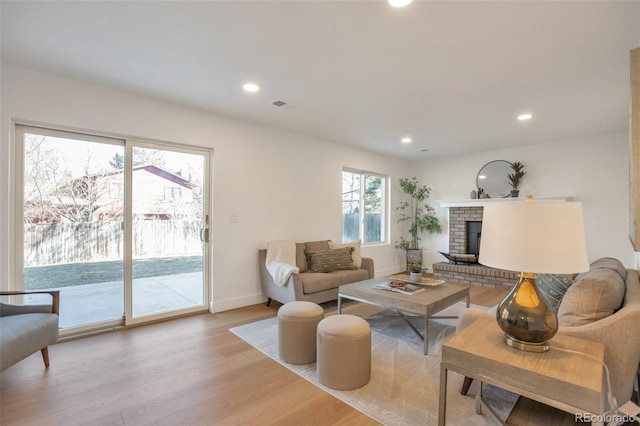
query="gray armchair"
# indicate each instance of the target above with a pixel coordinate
(25, 329)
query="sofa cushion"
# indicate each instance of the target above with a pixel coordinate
(594, 295)
(314, 282)
(317, 245)
(329, 260)
(553, 288)
(610, 263)
(352, 276)
(356, 255)
(301, 258)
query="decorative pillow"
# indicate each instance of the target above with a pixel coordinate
(553, 288)
(355, 254)
(329, 260)
(610, 263)
(594, 295)
(301, 259)
(317, 245)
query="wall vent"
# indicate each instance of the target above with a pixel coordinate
(282, 104)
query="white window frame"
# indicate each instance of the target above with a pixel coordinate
(17, 214)
(384, 210)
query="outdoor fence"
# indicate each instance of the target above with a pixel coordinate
(56, 243)
(59, 243)
(351, 227)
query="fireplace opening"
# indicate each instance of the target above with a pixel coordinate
(473, 234)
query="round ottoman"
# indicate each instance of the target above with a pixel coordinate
(344, 352)
(297, 323)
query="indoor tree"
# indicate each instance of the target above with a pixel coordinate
(420, 216)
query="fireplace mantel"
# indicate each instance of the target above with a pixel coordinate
(483, 201)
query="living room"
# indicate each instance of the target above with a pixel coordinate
(276, 182)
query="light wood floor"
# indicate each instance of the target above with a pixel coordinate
(181, 372)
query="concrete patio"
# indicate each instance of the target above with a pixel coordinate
(92, 303)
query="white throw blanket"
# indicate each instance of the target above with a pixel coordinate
(281, 260)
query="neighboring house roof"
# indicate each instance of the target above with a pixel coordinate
(173, 177)
(92, 191)
(158, 171)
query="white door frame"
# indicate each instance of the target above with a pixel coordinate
(16, 215)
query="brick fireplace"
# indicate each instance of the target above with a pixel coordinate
(459, 219)
(461, 213)
(475, 274)
(464, 232)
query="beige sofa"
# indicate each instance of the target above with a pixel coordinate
(318, 287)
(587, 311)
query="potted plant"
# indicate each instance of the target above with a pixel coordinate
(515, 178)
(415, 272)
(419, 215)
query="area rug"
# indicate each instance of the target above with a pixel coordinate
(404, 384)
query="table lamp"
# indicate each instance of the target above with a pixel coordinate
(530, 238)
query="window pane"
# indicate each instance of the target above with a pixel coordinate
(363, 207)
(373, 203)
(168, 213)
(73, 233)
(351, 210)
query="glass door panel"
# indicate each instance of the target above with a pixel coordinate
(118, 227)
(72, 220)
(168, 230)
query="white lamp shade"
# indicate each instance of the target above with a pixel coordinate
(536, 237)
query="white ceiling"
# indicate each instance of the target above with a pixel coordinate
(451, 74)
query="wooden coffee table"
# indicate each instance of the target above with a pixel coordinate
(425, 304)
(568, 377)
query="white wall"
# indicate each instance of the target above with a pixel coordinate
(594, 171)
(280, 185)
(287, 186)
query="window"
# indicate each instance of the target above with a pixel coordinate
(364, 204)
(172, 193)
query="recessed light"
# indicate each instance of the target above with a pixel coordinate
(250, 87)
(524, 117)
(405, 140)
(399, 3)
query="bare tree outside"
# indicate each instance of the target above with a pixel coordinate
(351, 183)
(80, 188)
(59, 188)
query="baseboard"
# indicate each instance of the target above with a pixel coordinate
(238, 302)
(387, 271)
(254, 299)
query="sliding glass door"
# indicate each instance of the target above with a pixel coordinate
(168, 229)
(72, 220)
(119, 227)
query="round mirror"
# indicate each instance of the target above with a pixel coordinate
(492, 179)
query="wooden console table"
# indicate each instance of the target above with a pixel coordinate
(570, 381)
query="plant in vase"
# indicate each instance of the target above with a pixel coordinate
(515, 178)
(419, 215)
(415, 272)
